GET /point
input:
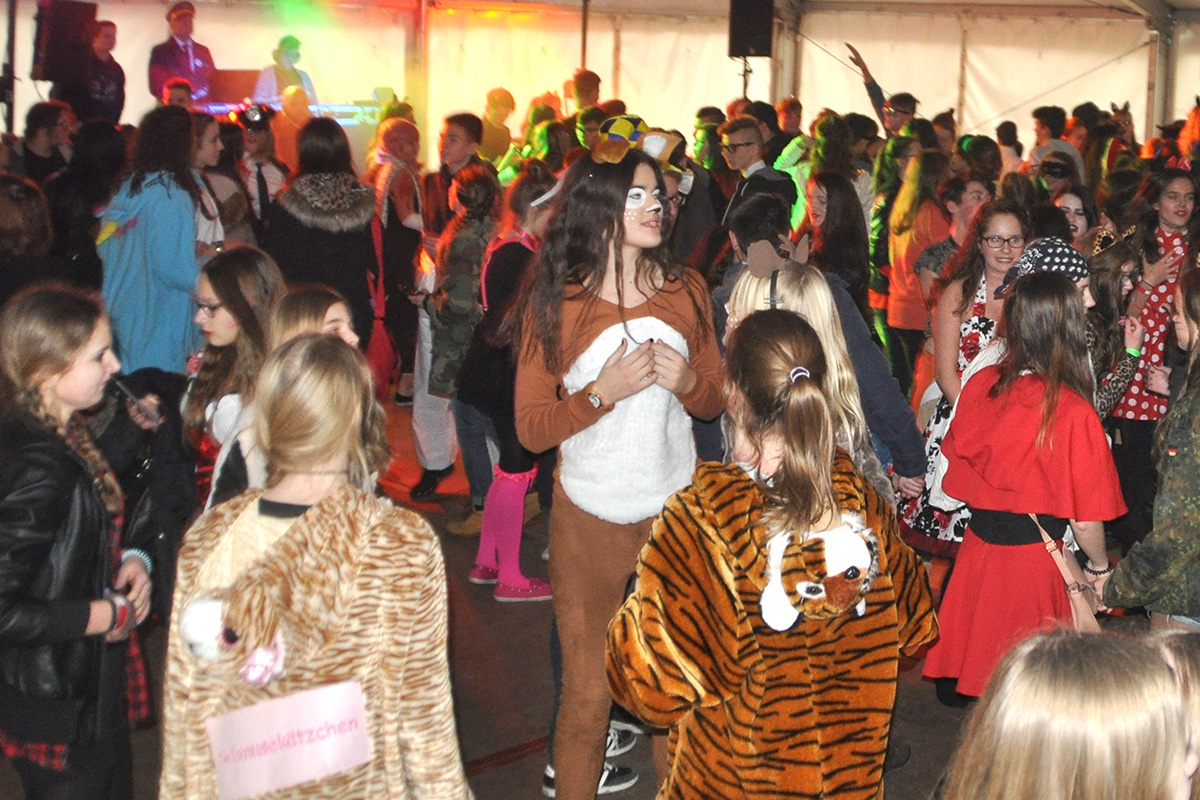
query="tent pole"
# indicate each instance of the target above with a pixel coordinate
(1161, 68)
(583, 36)
(8, 84)
(962, 70)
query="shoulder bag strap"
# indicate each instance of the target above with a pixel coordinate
(378, 290)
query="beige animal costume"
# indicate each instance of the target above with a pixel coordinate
(356, 588)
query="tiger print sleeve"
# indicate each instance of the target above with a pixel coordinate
(676, 642)
(916, 623)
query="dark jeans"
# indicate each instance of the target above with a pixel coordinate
(903, 346)
(474, 429)
(1133, 446)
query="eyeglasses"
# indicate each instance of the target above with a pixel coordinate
(996, 242)
(206, 310)
(733, 147)
(892, 110)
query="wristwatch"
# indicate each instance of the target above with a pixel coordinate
(593, 398)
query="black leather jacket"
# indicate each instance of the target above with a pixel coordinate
(54, 560)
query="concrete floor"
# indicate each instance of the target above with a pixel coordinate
(500, 666)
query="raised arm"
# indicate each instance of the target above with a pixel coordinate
(873, 91)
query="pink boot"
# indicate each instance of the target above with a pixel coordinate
(500, 539)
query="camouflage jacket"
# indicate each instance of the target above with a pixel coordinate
(454, 310)
(1162, 572)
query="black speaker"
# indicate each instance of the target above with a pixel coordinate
(63, 40)
(751, 24)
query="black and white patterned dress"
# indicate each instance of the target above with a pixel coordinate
(925, 527)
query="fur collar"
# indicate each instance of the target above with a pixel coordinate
(329, 201)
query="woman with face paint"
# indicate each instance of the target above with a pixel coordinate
(616, 349)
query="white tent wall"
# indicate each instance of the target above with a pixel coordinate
(1011, 65)
(888, 44)
(1187, 72)
(347, 51)
(1016, 65)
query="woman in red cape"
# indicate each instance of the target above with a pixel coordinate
(1025, 439)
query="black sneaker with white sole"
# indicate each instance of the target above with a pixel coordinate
(618, 742)
(613, 779)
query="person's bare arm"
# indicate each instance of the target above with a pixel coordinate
(946, 325)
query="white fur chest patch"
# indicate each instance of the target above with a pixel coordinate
(625, 466)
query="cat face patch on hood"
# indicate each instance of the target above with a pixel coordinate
(821, 575)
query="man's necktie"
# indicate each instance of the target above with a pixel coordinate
(264, 196)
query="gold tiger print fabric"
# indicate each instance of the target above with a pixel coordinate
(754, 712)
(357, 588)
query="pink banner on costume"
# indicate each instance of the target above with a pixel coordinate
(290, 740)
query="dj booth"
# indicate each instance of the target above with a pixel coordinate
(232, 87)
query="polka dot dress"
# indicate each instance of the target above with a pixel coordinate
(1139, 403)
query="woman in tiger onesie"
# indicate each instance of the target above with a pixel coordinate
(774, 598)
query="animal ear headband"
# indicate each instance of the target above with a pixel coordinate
(1106, 238)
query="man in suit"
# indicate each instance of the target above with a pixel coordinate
(180, 57)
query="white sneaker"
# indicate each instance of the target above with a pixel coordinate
(613, 779)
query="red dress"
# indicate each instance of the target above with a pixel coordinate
(1001, 593)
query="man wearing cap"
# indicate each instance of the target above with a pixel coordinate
(261, 170)
(180, 57)
(496, 136)
(274, 79)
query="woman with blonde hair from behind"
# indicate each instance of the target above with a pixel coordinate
(311, 585)
(1181, 649)
(1072, 716)
(803, 290)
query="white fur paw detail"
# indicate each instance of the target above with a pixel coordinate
(201, 625)
(777, 610)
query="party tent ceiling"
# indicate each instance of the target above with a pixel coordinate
(988, 61)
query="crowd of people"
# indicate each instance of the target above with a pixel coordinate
(795, 405)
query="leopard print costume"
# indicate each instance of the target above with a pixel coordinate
(357, 589)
